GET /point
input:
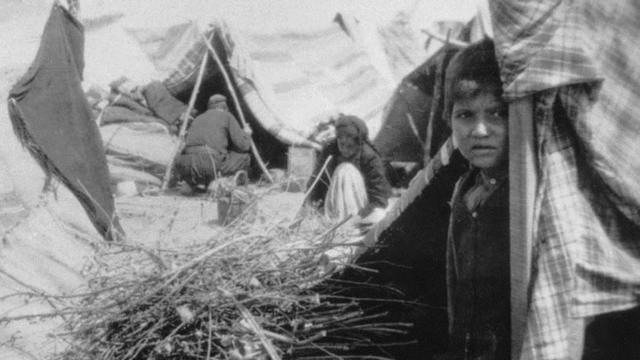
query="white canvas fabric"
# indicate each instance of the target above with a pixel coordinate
(347, 193)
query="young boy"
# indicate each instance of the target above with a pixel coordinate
(478, 280)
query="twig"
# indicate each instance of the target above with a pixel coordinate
(332, 229)
(297, 219)
(209, 337)
(318, 176)
(246, 314)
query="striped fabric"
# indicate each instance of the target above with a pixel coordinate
(308, 77)
(291, 81)
(176, 51)
(404, 50)
(580, 61)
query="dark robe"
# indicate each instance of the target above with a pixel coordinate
(478, 271)
(215, 143)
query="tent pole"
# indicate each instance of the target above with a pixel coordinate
(445, 39)
(236, 103)
(523, 179)
(185, 121)
(414, 130)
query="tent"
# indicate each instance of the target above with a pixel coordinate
(410, 117)
(292, 81)
(288, 82)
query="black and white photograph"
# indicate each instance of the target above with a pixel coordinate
(319, 180)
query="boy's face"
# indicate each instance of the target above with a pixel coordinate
(480, 128)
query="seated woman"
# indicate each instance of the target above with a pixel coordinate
(354, 182)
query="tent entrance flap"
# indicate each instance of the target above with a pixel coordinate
(52, 118)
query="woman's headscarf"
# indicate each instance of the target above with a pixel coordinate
(353, 126)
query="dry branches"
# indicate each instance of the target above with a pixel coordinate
(254, 292)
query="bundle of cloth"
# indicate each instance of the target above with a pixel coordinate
(139, 127)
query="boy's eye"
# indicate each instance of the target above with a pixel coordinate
(498, 114)
(463, 115)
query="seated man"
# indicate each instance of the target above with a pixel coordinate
(215, 145)
(354, 181)
(478, 270)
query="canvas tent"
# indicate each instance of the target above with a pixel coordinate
(411, 130)
(288, 82)
(573, 196)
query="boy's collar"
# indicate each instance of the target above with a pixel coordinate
(494, 175)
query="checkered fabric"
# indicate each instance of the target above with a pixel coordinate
(186, 71)
(579, 59)
(548, 44)
(587, 253)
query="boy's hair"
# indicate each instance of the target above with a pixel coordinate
(471, 71)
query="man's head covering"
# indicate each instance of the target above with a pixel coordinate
(473, 69)
(352, 126)
(216, 99)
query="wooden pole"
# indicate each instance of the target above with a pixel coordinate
(318, 176)
(236, 103)
(445, 40)
(297, 218)
(414, 129)
(522, 192)
(185, 120)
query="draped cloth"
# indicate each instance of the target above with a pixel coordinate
(347, 193)
(52, 118)
(584, 80)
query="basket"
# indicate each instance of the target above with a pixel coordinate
(233, 198)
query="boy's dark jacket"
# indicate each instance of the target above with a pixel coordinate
(478, 280)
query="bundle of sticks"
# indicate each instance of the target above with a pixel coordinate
(258, 290)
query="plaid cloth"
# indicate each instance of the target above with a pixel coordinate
(585, 82)
(588, 256)
(185, 72)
